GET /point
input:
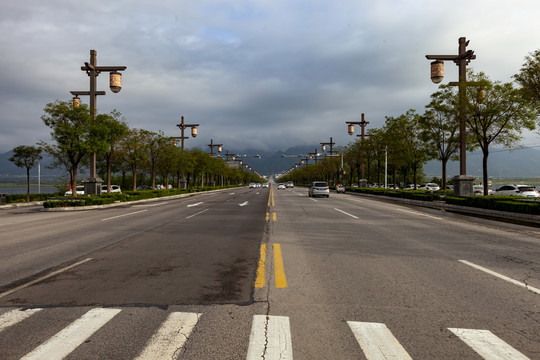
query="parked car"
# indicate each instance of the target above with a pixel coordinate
(479, 190)
(114, 189)
(289, 184)
(340, 188)
(80, 191)
(143, 187)
(319, 188)
(517, 190)
(429, 186)
(281, 186)
(252, 185)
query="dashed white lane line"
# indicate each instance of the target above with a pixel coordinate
(119, 216)
(68, 339)
(377, 341)
(420, 214)
(54, 273)
(170, 337)
(346, 213)
(500, 276)
(270, 338)
(196, 204)
(487, 345)
(200, 212)
(14, 316)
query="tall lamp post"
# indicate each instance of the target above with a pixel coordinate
(331, 144)
(350, 130)
(463, 184)
(92, 185)
(212, 146)
(183, 126)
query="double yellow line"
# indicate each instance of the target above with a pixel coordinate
(281, 279)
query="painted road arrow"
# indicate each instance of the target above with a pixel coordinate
(244, 203)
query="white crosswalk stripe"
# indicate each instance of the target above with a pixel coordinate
(270, 337)
(377, 341)
(487, 345)
(14, 316)
(67, 340)
(170, 337)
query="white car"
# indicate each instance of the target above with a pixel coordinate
(429, 186)
(479, 190)
(80, 191)
(517, 190)
(281, 186)
(114, 189)
(319, 188)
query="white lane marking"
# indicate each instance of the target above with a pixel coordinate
(200, 212)
(68, 339)
(14, 316)
(270, 338)
(244, 203)
(377, 341)
(171, 336)
(231, 193)
(488, 345)
(257, 193)
(196, 204)
(149, 205)
(420, 214)
(313, 199)
(119, 216)
(500, 276)
(54, 273)
(355, 200)
(346, 213)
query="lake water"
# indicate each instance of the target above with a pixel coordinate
(9, 190)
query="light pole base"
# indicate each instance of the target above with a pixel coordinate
(92, 186)
(363, 183)
(463, 185)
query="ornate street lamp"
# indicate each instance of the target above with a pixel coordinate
(462, 183)
(92, 185)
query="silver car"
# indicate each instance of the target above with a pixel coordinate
(517, 190)
(319, 188)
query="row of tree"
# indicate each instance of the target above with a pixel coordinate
(496, 113)
(121, 149)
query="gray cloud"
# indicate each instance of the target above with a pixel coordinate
(255, 74)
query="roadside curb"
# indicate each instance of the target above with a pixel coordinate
(440, 205)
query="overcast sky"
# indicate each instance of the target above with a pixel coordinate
(256, 74)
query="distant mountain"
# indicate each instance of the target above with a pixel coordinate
(501, 163)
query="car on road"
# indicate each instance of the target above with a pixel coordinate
(517, 190)
(340, 188)
(319, 188)
(281, 186)
(429, 186)
(289, 184)
(252, 185)
(265, 185)
(479, 190)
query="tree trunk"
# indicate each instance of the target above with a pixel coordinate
(27, 184)
(74, 183)
(444, 161)
(485, 170)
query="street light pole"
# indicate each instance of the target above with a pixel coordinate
(331, 144)
(92, 185)
(463, 183)
(183, 126)
(350, 130)
(212, 146)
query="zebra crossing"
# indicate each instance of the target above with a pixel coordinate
(270, 337)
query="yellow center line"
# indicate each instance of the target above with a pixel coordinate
(274, 216)
(259, 281)
(281, 279)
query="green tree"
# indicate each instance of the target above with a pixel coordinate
(405, 136)
(497, 118)
(26, 156)
(71, 130)
(133, 147)
(440, 127)
(110, 130)
(529, 79)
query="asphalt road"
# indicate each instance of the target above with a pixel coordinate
(259, 274)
